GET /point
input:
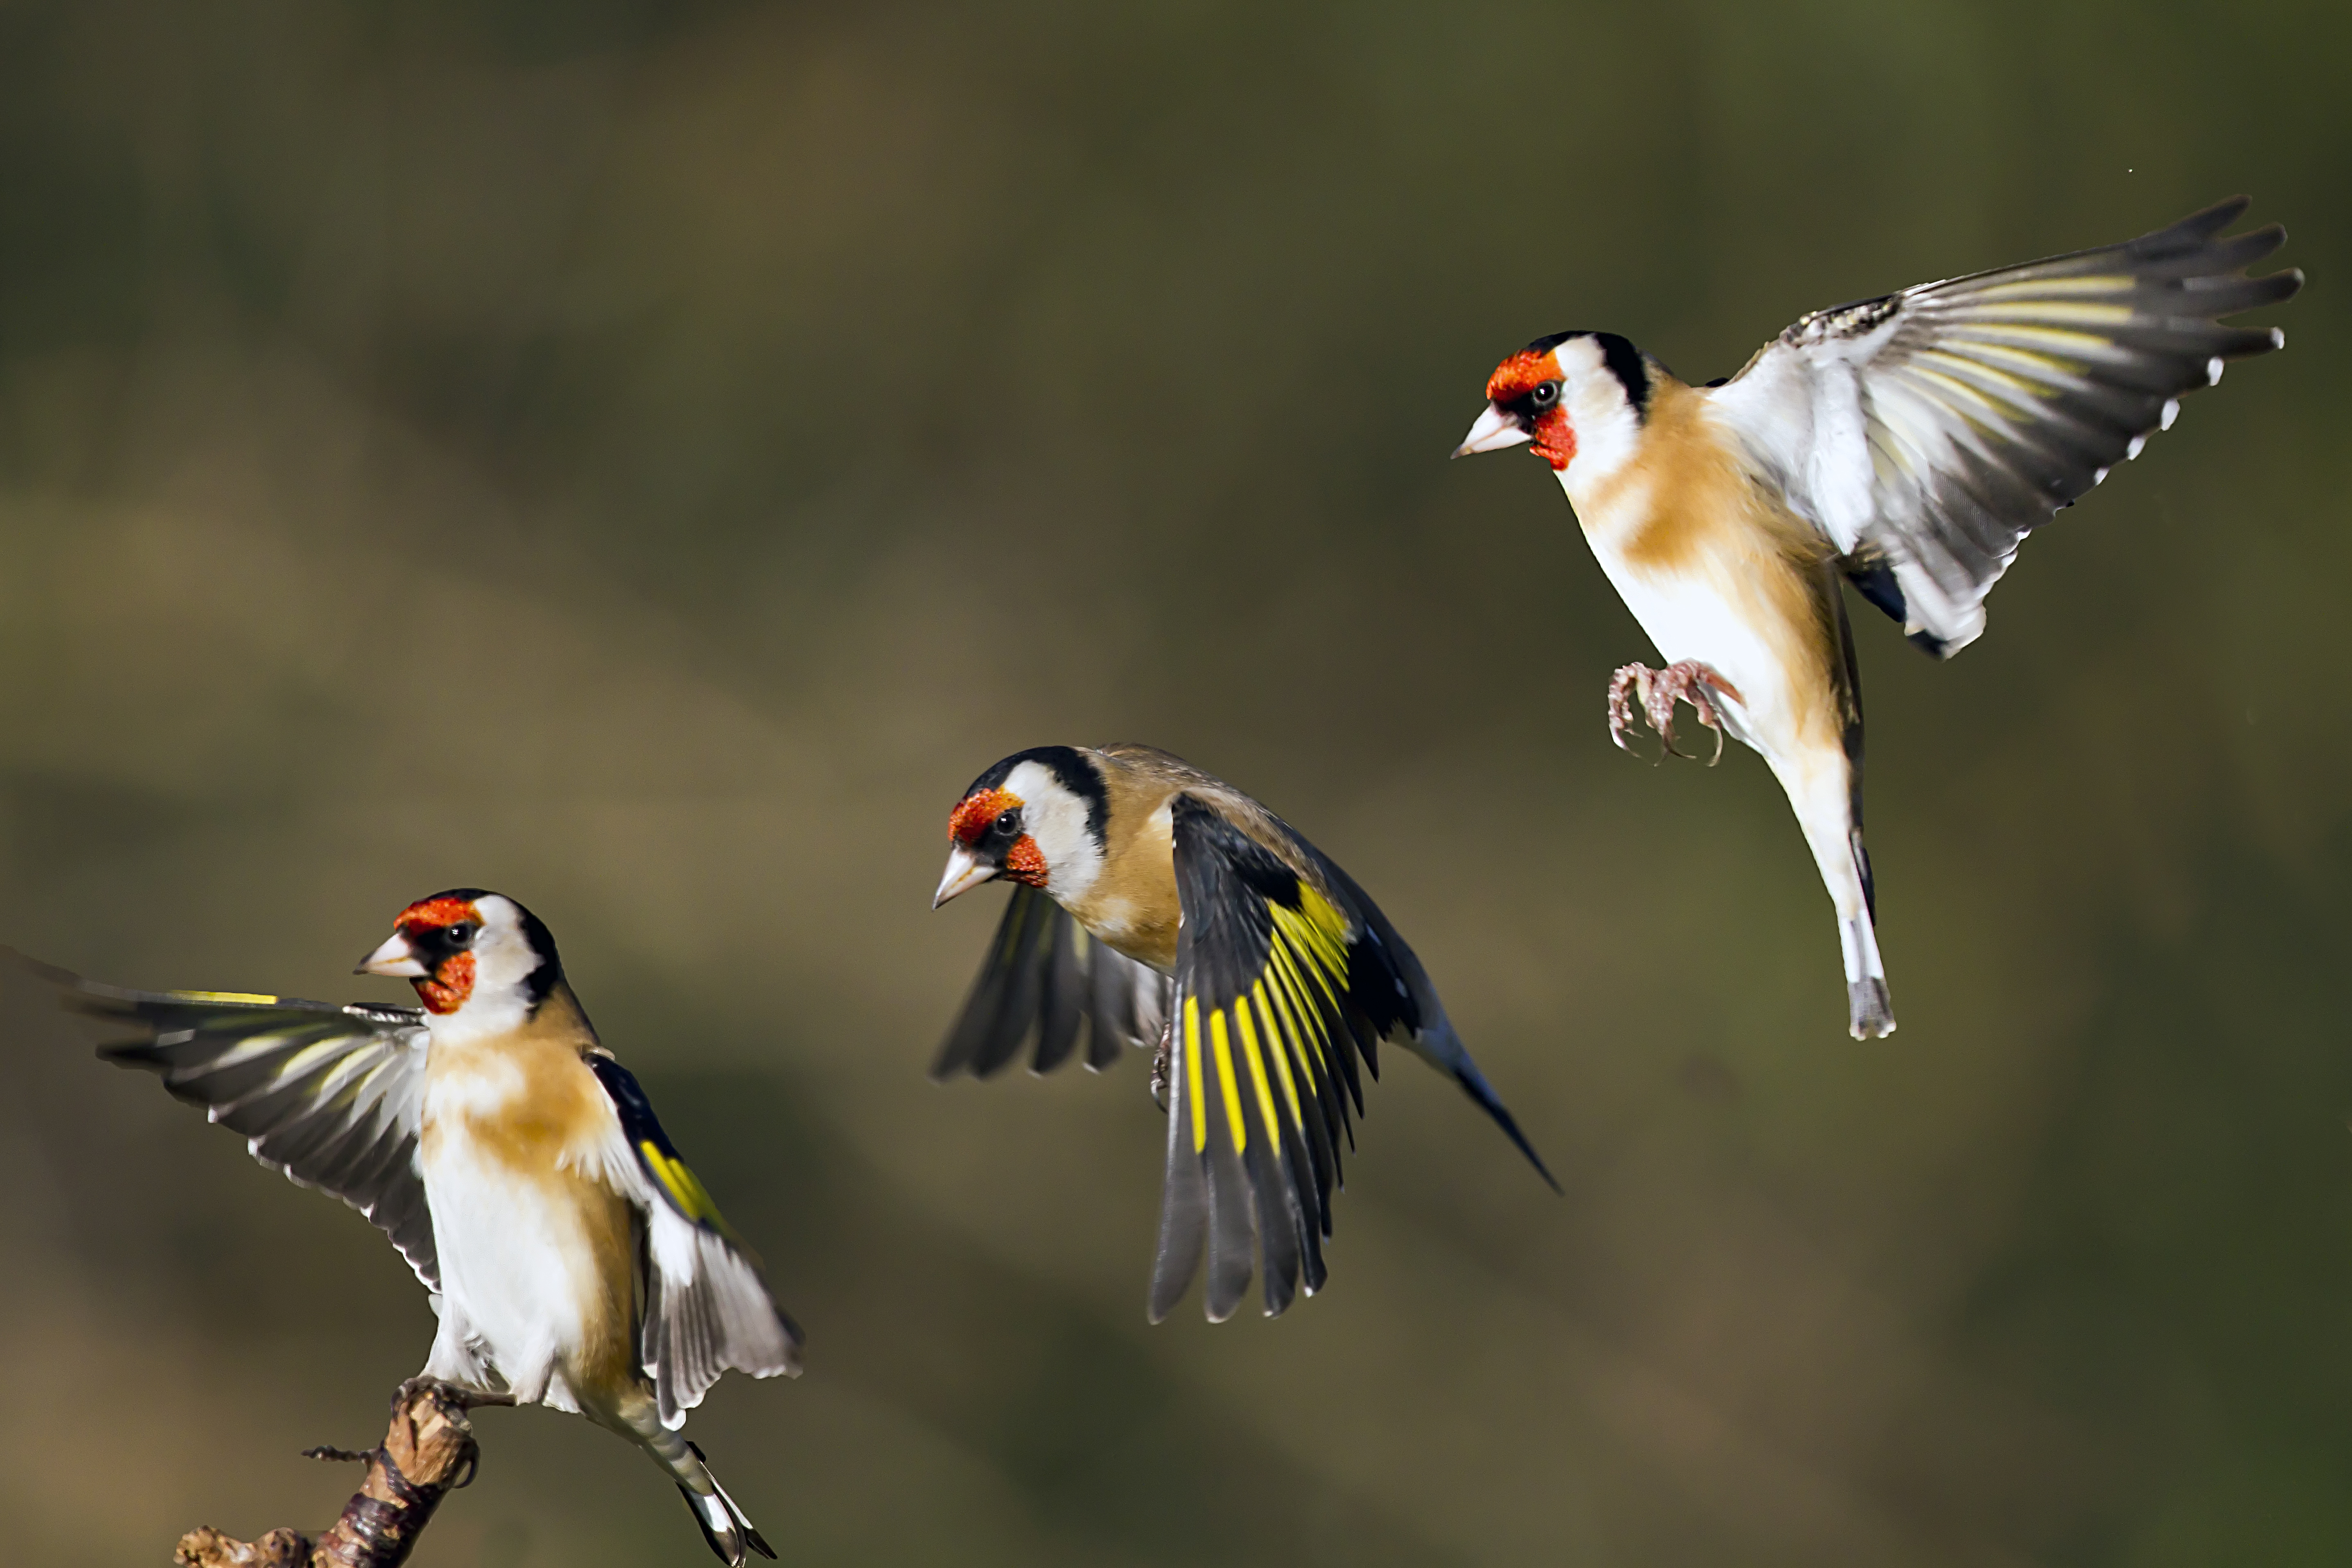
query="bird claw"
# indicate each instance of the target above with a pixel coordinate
(1657, 692)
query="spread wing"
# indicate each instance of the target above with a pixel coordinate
(1281, 988)
(709, 1309)
(1043, 975)
(330, 1096)
(1928, 432)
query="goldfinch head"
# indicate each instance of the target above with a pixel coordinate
(470, 952)
(1570, 393)
(1037, 818)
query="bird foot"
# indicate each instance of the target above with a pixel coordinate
(1658, 691)
(455, 1396)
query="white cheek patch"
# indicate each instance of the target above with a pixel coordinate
(1607, 429)
(1057, 818)
(503, 962)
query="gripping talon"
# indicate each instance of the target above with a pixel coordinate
(1658, 691)
(1620, 711)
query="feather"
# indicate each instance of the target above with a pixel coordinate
(328, 1096)
(1927, 433)
(1045, 976)
(711, 1311)
(1281, 981)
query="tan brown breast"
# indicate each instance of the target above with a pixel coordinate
(1686, 504)
(528, 1102)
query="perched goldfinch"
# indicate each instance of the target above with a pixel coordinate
(1167, 906)
(573, 1259)
(1907, 444)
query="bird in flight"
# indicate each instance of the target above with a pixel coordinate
(1158, 905)
(573, 1259)
(1905, 444)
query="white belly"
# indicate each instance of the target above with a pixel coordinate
(517, 1263)
(1693, 616)
(516, 1244)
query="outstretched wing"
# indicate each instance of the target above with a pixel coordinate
(1045, 975)
(1281, 988)
(708, 1310)
(1928, 432)
(330, 1096)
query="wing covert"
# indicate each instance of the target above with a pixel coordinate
(328, 1096)
(1926, 432)
(1044, 977)
(708, 1310)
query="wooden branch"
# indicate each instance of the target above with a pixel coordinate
(428, 1451)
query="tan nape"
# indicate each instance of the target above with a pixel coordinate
(1132, 905)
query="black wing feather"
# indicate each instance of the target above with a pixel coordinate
(1280, 987)
(709, 1308)
(330, 1097)
(1043, 977)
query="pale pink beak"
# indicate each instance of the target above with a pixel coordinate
(966, 871)
(1494, 430)
(394, 958)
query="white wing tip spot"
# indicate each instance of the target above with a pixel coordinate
(2278, 338)
(2213, 371)
(2100, 477)
(2171, 413)
(2138, 445)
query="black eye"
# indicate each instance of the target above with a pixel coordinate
(460, 935)
(1009, 825)
(1545, 395)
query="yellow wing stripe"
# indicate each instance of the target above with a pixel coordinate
(253, 997)
(1318, 932)
(1318, 925)
(1306, 1024)
(2025, 309)
(1257, 1072)
(1227, 1083)
(1298, 964)
(683, 1188)
(2036, 287)
(1284, 1014)
(1324, 917)
(1192, 1074)
(1281, 1057)
(254, 1047)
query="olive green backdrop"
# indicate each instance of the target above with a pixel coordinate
(646, 458)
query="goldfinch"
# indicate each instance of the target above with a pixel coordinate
(1163, 906)
(1907, 444)
(572, 1257)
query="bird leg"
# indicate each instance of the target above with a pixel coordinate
(1658, 691)
(1159, 1066)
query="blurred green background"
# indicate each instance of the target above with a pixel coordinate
(646, 458)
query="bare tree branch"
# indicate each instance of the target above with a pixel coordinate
(427, 1452)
